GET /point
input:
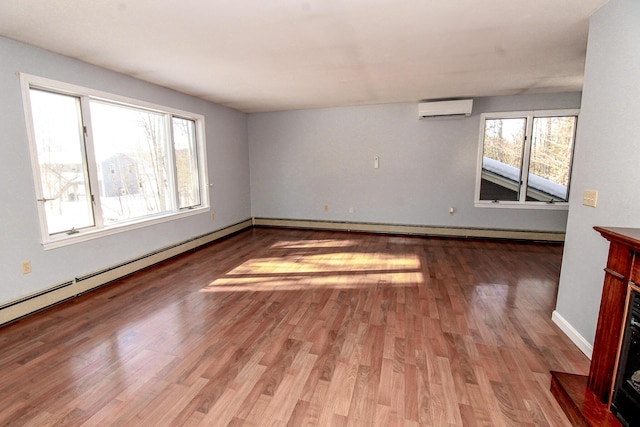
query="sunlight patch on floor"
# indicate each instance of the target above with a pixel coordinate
(325, 270)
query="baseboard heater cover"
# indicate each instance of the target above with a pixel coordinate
(30, 304)
(418, 230)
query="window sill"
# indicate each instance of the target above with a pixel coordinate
(557, 206)
(82, 236)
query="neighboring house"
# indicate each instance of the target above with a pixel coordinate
(119, 176)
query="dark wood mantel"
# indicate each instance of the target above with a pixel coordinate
(586, 400)
(623, 247)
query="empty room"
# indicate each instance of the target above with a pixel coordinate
(304, 212)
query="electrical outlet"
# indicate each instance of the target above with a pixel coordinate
(351, 210)
(213, 215)
(25, 266)
(326, 208)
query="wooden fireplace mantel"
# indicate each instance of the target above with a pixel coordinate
(623, 266)
(586, 400)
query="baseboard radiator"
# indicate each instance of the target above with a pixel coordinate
(417, 230)
(29, 304)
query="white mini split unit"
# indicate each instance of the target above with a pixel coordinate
(458, 108)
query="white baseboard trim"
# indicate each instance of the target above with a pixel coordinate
(573, 335)
(420, 230)
(35, 302)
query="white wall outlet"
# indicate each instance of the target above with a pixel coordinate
(376, 162)
(25, 266)
(451, 211)
(590, 198)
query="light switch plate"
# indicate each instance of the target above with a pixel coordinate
(590, 198)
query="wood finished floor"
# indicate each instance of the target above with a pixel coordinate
(279, 327)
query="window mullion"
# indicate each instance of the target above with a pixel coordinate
(92, 167)
(173, 181)
(526, 158)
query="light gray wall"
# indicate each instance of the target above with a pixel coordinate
(228, 164)
(304, 160)
(607, 159)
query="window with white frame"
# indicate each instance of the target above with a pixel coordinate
(525, 159)
(104, 163)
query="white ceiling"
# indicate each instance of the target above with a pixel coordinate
(270, 55)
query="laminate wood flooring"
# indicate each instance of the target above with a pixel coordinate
(277, 327)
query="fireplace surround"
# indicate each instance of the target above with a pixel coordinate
(586, 399)
(625, 400)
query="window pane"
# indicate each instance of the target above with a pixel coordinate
(550, 164)
(131, 153)
(502, 159)
(186, 158)
(61, 161)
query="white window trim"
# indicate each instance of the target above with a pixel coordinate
(529, 114)
(28, 81)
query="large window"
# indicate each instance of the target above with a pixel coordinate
(104, 164)
(524, 159)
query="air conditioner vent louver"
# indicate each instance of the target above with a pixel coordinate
(443, 109)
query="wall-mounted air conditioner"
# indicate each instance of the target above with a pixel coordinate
(444, 109)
